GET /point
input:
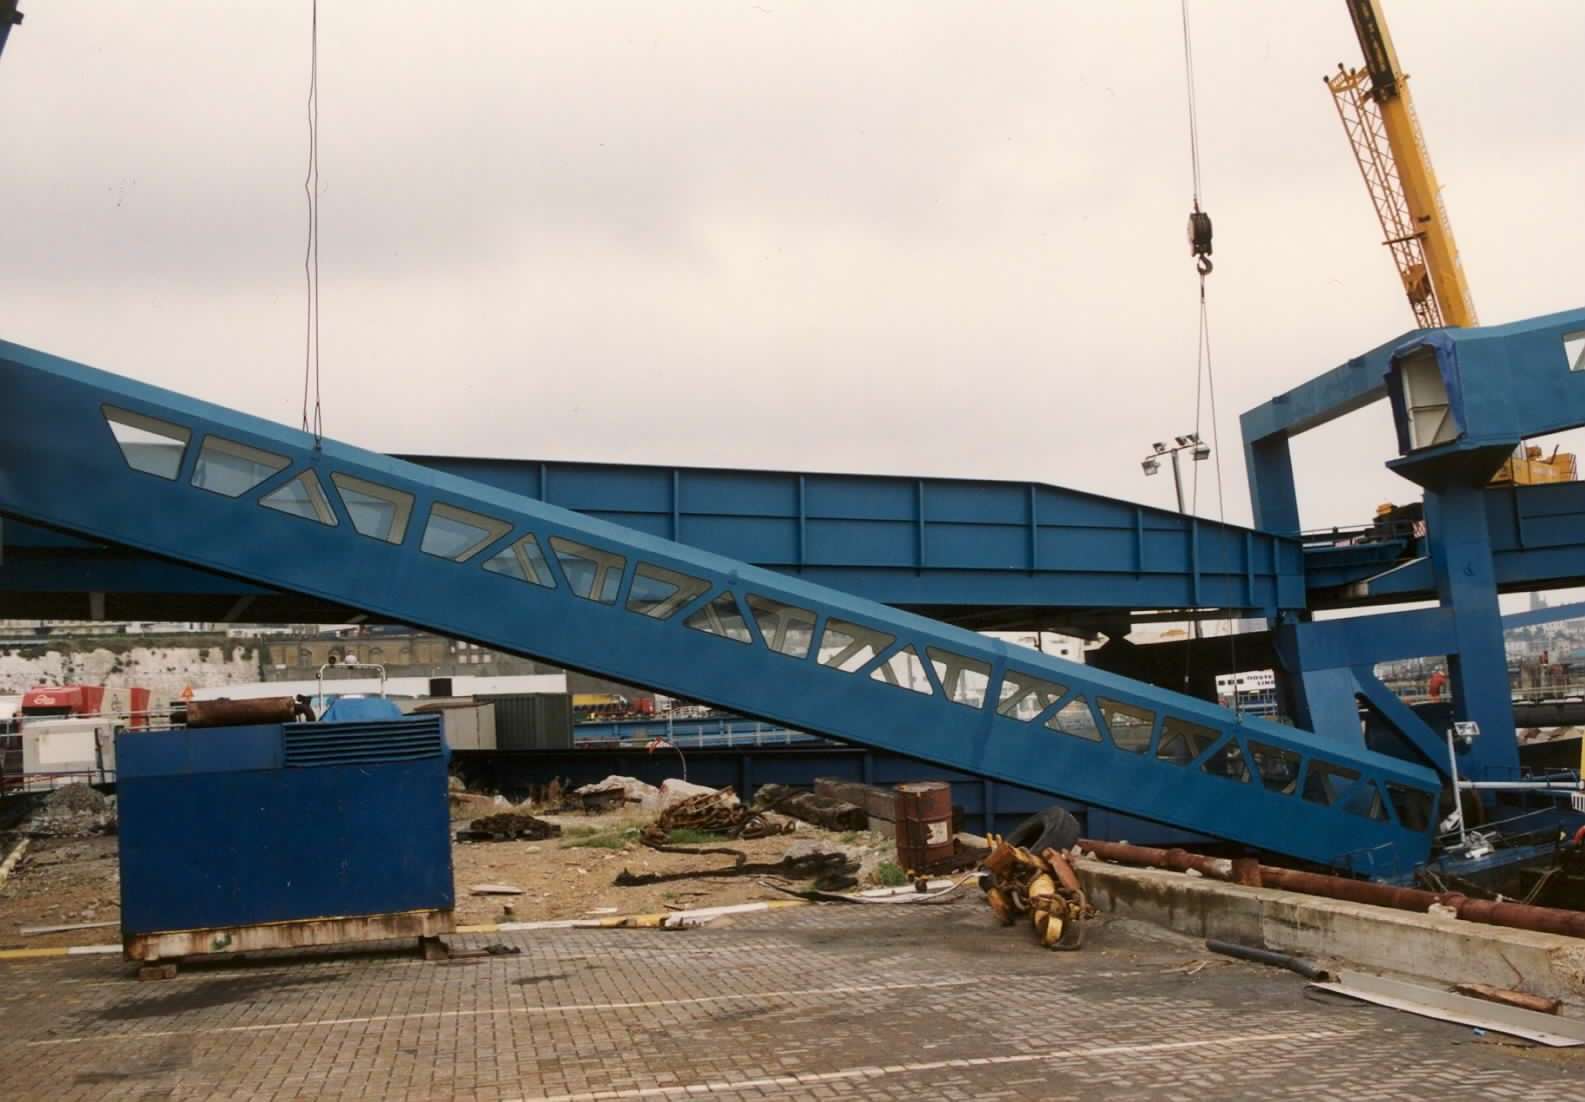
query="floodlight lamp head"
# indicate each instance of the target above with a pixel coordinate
(1201, 452)
(1151, 465)
(1183, 441)
(1159, 447)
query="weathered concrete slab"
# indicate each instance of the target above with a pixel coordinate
(1429, 946)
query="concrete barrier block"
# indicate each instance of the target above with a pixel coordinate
(1433, 947)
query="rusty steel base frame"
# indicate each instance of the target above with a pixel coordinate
(174, 945)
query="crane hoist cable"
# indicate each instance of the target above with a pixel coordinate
(1204, 375)
(1199, 221)
(314, 424)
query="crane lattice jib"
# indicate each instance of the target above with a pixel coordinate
(1378, 115)
(1367, 136)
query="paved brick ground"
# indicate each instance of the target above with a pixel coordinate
(904, 1003)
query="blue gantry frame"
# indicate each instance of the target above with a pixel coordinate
(1462, 401)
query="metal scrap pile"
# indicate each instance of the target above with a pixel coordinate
(717, 812)
(508, 826)
(1043, 886)
(813, 808)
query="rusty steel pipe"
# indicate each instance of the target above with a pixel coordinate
(1518, 916)
(1178, 860)
(1353, 891)
(1540, 1004)
(1524, 916)
(234, 713)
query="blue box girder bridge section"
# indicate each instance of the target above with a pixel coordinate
(979, 553)
(132, 466)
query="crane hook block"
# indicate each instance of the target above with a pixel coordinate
(1200, 238)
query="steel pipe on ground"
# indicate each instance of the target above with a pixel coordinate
(1519, 916)
(1179, 860)
(1352, 891)
(1524, 916)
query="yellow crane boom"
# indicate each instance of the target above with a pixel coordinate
(1378, 116)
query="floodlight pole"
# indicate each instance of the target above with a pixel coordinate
(1177, 479)
(1177, 483)
(1177, 486)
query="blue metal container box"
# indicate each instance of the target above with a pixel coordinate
(241, 826)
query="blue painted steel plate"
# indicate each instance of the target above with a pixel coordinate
(235, 826)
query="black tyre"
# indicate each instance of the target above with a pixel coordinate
(1053, 828)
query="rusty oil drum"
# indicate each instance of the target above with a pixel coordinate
(924, 824)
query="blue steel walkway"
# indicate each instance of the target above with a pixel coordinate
(132, 465)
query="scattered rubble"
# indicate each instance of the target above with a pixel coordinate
(73, 811)
(869, 852)
(76, 798)
(468, 805)
(616, 792)
(12, 859)
(811, 807)
(832, 870)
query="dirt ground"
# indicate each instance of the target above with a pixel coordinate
(563, 878)
(73, 880)
(60, 881)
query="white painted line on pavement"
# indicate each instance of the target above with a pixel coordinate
(571, 1008)
(808, 1079)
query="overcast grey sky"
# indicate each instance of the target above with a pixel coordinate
(919, 238)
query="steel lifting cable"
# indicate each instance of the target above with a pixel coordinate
(1199, 221)
(1204, 375)
(1199, 236)
(1194, 114)
(315, 424)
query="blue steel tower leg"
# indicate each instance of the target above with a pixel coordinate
(1466, 583)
